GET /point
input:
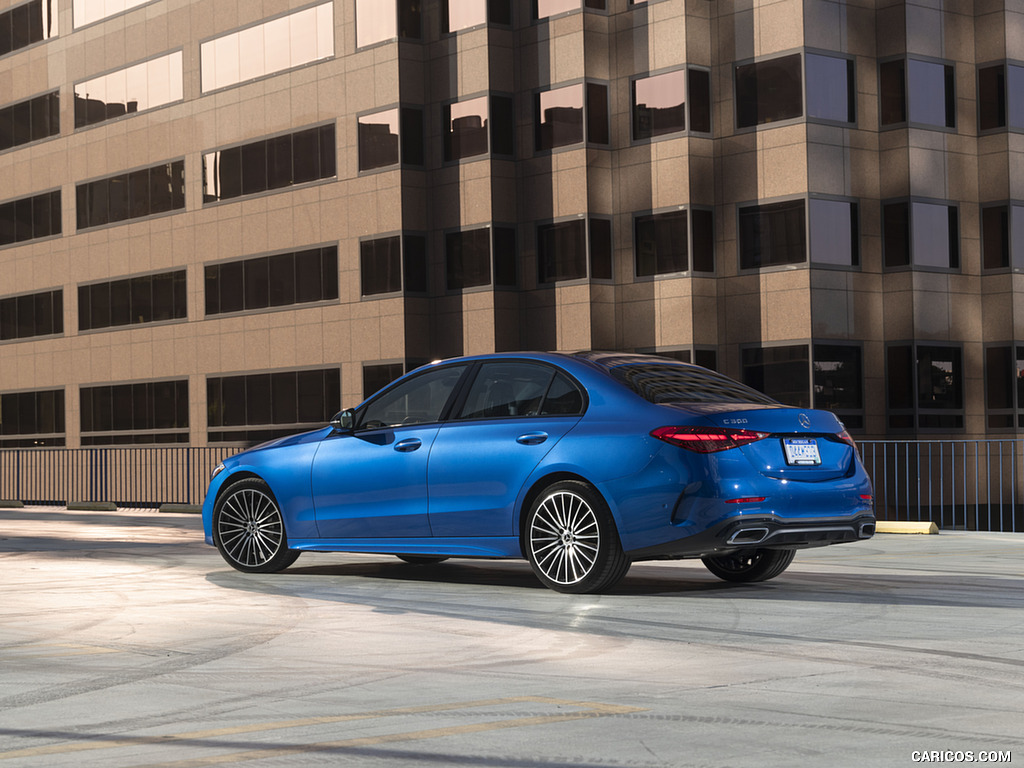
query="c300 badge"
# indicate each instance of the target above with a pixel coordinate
(804, 420)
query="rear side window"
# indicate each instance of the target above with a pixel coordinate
(513, 389)
(658, 383)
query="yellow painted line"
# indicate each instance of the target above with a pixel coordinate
(894, 526)
(588, 710)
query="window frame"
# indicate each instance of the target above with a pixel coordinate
(915, 411)
(759, 125)
(588, 239)
(491, 285)
(404, 289)
(856, 224)
(586, 142)
(29, 101)
(107, 120)
(911, 264)
(774, 267)
(859, 412)
(75, 26)
(128, 172)
(111, 326)
(690, 270)
(401, 108)
(445, 18)
(133, 436)
(22, 439)
(795, 344)
(490, 152)
(1008, 126)
(908, 98)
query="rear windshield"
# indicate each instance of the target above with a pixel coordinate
(668, 383)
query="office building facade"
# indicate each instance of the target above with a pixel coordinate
(224, 221)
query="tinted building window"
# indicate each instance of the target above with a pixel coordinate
(781, 373)
(468, 258)
(263, 406)
(699, 82)
(834, 233)
(831, 91)
(268, 164)
(131, 195)
(280, 280)
(30, 218)
(140, 413)
(925, 387)
(1004, 386)
(916, 91)
(469, 124)
(1001, 97)
(464, 14)
(137, 88)
(376, 377)
(133, 300)
(391, 137)
(559, 116)
(26, 24)
(921, 235)
(562, 251)
(659, 104)
(32, 419)
(771, 235)
(88, 11)
(660, 243)
(30, 120)
(387, 261)
(768, 91)
(381, 20)
(34, 314)
(1002, 236)
(273, 46)
(838, 382)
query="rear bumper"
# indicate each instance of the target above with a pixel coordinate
(763, 532)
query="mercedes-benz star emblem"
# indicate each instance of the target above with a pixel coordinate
(804, 420)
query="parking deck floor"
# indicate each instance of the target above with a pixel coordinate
(126, 641)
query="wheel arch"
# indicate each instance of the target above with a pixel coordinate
(234, 477)
(535, 490)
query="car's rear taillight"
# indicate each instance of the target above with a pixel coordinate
(707, 439)
(845, 437)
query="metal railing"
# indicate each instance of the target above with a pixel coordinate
(973, 485)
(136, 477)
(958, 484)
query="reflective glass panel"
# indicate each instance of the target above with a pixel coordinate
(658, 105)
(544, 8)
(1015, 95)
(562, 251)
(772, 234)
(931, 236)
(661, 243)
(463, 14)
(466, 126)
(88, 11)
(134, 89)
(378, 140)
(830, 88)
(768, 91)
(931, 93)
(558, 119)
(376, 21)
(834, 232)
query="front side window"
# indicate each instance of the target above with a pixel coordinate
(133, 300)
(30, 120)
(33, 314)
(772, 235)
(134, 89)
(264, 49)
(145, 192)
(30, 218)
(263, 406)
(838, 382)
(571, 115)
(769, 91)
(268, 164)
(418, 400)
(32, 419)
(145, 413)
(918, 92)
(780, 372)
(925, 387)
(921, 235)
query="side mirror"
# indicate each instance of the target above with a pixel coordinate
(344, 421)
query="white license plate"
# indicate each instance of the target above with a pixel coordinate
(801, 451)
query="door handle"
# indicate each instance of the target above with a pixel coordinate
(532, 438)
(408, 445)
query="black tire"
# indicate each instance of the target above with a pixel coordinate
(750, 565)
(421, 559)
(571, 540)
(248, 528)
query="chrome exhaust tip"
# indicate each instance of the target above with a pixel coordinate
(867, 530)
(748, 536)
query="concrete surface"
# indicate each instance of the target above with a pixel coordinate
(125, 641)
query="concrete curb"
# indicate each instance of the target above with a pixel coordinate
(92, 506)
(181, 509)
(11, 504)
(894, 526)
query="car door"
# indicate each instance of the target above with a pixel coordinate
(513, 415)
(371, 481)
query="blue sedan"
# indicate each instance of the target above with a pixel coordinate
(580, 463)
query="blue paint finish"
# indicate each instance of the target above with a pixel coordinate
(460, 488)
